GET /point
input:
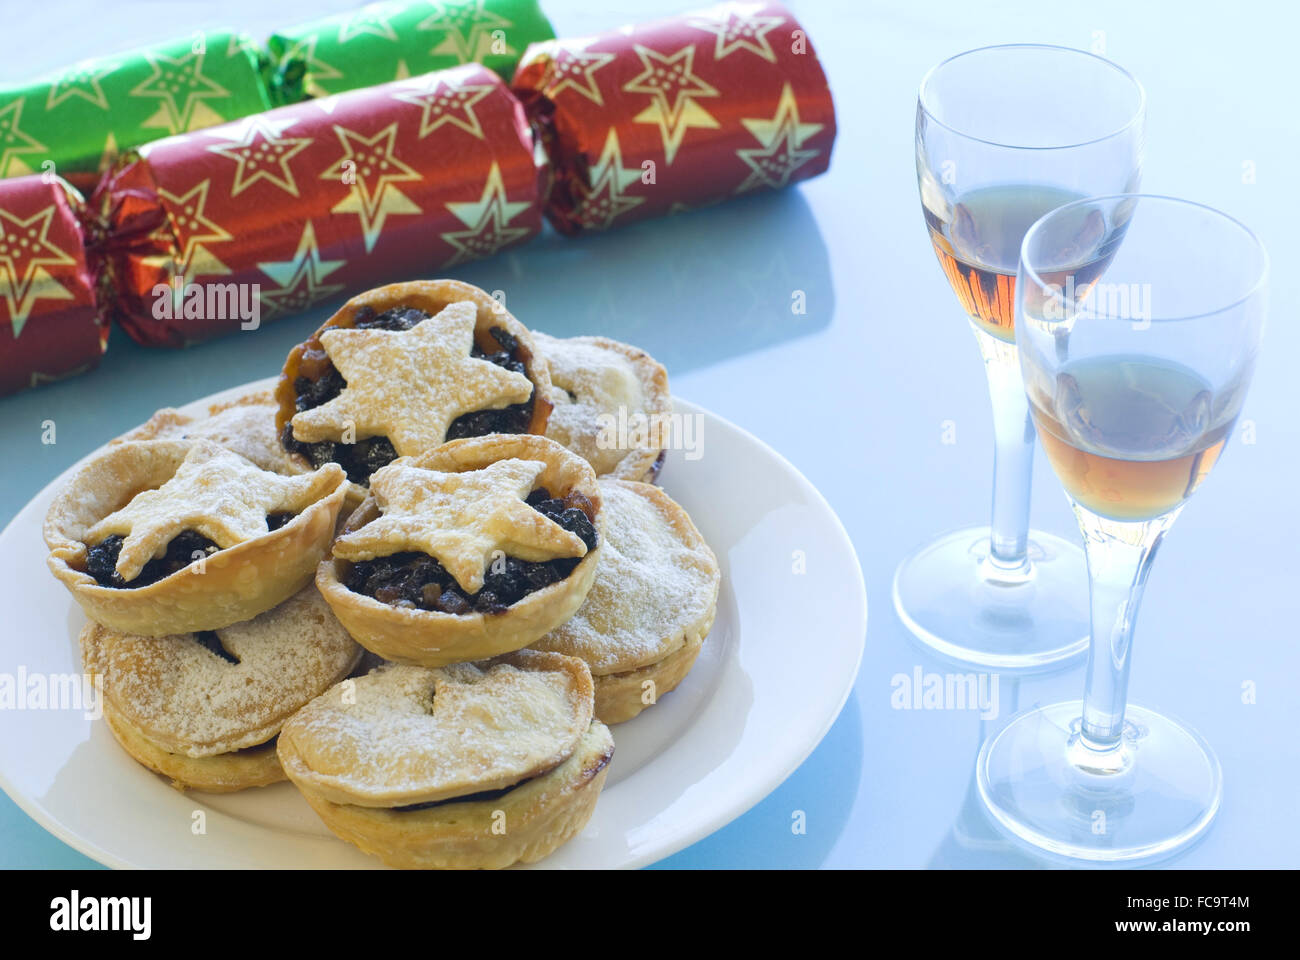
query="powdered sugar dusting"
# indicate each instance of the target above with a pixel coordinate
(651, 583)
(590, 381)
(246, 426)
(192, 701)
(413, 734)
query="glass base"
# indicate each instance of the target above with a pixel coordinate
(1150, 799)
(954, 601)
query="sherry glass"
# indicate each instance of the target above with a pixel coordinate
(1003, 135)
(1138, 320)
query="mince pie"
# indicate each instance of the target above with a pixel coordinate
(651, 605)
(471, 765)
(476, 548)
(168, 536)
(403, 368)
(611, 404)
(204, 709)
(245, 425)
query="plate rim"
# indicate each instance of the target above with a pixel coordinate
(725, 814)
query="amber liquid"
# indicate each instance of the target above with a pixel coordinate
(1130, 439)
(978, 246)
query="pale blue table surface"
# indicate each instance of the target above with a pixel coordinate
(855, 394)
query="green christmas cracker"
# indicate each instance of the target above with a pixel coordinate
(74, 122)
(390, 41)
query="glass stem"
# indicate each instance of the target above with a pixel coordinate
(1013, 459)
(1119, 559)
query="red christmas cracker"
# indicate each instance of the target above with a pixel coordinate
(49, 325)
(681, 113)
(282, 210)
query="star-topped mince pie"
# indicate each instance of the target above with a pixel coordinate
(424, 767)
(171, 536)
(476, 548)
(403, 368)
(611, 404)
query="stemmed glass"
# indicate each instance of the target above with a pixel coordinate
(1138, 320)
(1003, 135)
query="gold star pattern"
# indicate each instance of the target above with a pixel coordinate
(214, 492)
(466, 30)
(190, 220)
(370, 20)
(300, 279)
(463, 520)
(316, 72)
(182, 87)
(81, 81)
(669, 80)
(445, 102)
(376, 172)
(571, 67)
(604, 200)
(782, 138)
(14, 143)
(25, 252)
(738, 27)
(261, 153)
(109, 153)
(488, 219)
(409, 385)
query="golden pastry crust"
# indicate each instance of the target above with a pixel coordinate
(593, 379)
(431, 296)
(225, 773)
(233, 584)
(245, 425)
(622, 696)
(652, 604)
(189, 701)
(432, 638)
(408, 735)
(522, 826)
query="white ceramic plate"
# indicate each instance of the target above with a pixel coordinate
(771, 679)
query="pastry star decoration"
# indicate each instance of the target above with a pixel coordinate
(409, 385)
(463, 520)
(215, 492)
